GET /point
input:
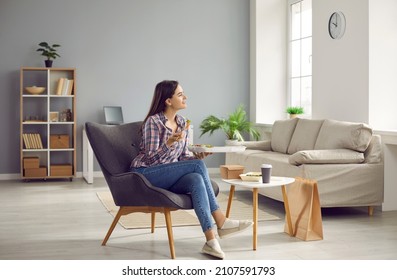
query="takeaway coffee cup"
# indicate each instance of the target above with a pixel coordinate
(266, 172)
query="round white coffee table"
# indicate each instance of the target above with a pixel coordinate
(255, 186)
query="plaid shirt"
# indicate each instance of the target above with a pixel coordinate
(153, 148)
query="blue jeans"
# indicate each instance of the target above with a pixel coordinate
(183, 177)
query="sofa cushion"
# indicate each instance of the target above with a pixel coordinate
(343, 135)
(326, 156)
(281, 134)
(305, 135)
(263, 145)
(253, 159)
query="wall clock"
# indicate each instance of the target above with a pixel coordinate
(337, 25)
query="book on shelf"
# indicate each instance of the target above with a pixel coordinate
(60, 86)
(26, 141)
(32, 141)
(70, 87)
(64, 87)
(38, 141)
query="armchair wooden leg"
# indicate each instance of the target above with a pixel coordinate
(167, 214)
(112, 226)
(153, 223)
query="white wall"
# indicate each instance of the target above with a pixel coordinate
(354, 77)
(340, 67)
(383, 87)
(268, 60)
(383, 64)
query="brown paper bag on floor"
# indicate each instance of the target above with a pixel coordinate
(305, 209)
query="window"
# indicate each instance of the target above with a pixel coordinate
(300, 58)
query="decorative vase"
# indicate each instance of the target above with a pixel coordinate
(48, 63)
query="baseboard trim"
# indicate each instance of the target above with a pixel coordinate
(14, 176)
(95, 174)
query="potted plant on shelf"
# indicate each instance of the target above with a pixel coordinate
(234, 126)
(49, 51)
(294, 111)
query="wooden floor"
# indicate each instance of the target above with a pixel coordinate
(62, 220)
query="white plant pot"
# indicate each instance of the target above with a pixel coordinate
(293, 116)
(229, 142)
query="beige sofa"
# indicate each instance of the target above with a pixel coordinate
(345, 158)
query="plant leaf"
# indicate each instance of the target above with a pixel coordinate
(233, 127)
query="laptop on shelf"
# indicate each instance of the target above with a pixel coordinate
(113, 115)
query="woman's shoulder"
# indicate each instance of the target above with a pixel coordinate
(154, 118)
(154, 122)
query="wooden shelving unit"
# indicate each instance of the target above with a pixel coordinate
(48, 123)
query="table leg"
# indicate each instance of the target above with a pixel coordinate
(287, 212)
(229, 202)
(255, 216)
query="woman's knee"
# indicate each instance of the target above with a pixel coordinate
(202, 164)
(199, 163)
(191, 182)
(192, 177)
(197, 181)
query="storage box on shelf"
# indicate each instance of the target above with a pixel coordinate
(32, 168)
(59, 141)
(31, 162)
(61, 170)
(44, 140)
(40, 172)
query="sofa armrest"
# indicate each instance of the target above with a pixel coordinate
(326, 156)
(263, 145)
(374, 152)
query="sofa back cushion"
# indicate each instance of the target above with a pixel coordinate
(343, 135)
(281, 134)
(305, 135)
(263, 145)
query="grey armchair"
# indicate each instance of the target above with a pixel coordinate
(114, 147)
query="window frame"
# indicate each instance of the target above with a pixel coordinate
(290, 59)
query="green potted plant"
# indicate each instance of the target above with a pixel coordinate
(294, 111)
(49, 51)
(234, 126)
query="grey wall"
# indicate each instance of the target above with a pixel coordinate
(121, 49)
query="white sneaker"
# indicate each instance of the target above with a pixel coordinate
(215, 251)
(243, 225)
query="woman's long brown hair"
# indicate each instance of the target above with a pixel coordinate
(162, 92)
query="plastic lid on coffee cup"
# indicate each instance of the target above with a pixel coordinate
(265, 165)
